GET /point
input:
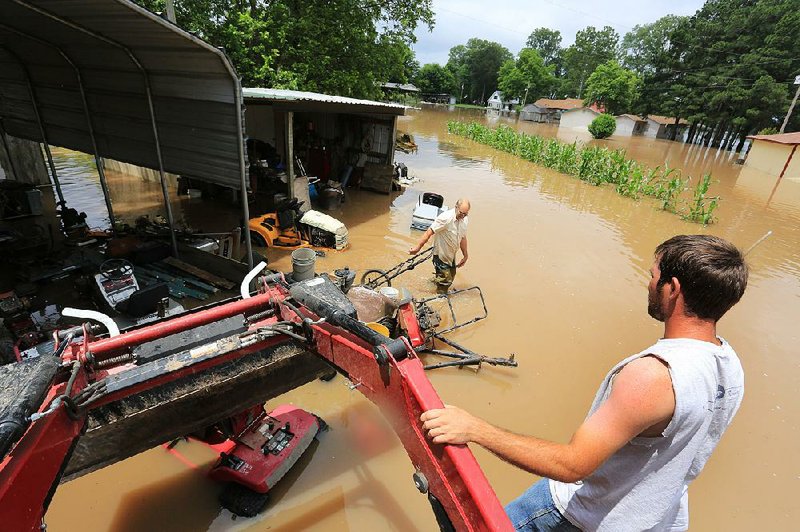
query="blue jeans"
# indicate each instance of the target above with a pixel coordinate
(535, 511)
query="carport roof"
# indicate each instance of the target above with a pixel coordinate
(306, 101)
(113, 49)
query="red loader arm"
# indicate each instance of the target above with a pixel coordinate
(389, 373)
(385, 370)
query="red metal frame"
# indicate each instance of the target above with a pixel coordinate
(31, 471)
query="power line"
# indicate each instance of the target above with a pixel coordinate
(653, 88)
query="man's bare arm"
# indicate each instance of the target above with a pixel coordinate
(641, 397)
(425, 237)
(463, 245)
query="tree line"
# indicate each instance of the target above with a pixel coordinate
(342, 47)
(727, 69)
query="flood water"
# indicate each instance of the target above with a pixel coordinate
(564, 269)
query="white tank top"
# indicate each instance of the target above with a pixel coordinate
(643, 486)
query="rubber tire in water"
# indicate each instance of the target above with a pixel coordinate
(243, 501)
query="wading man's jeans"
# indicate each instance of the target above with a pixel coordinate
(535, 511)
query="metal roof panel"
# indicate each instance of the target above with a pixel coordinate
(196, 96)
(284, 95)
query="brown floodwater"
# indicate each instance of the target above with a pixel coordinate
(564, 269)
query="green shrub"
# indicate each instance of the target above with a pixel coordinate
(768, 131)
(603, 126)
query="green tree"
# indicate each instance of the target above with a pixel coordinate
(527, 78)
(340, 46)
(592, 48)
(402, 65)
(548, 43)
(435, 79)
(603, 126)
(476, 65)
(731, 67)
(645, 48)
(613, 88)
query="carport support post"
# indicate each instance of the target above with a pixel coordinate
(8, 150)
(97, 159)
(392, 142)
(164, 190)
(237, 90)
(45, 142)
(290, 151)
(40, 123)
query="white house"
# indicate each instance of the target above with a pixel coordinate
(547, 110)
(660, 127)
(579, 118)
(630, 125)
(495, 101)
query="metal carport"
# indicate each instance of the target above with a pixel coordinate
(109, 78)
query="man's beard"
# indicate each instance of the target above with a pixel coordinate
(654, 308)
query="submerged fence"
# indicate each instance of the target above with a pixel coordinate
(598, 165)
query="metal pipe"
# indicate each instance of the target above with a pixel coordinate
(290, 151)
(791, 107)
(237, 89)
(151, 109)
(164, 191)
(85, 102)
(105, 348)
(97, 159)
(40, 122)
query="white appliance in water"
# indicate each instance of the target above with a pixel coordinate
(429, 206)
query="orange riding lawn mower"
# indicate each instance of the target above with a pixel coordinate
(290, 228)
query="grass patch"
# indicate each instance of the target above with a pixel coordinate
(598, 166)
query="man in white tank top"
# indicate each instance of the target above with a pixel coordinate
(655, 419)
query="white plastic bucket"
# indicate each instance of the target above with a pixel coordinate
(303, 260)
(390, 292)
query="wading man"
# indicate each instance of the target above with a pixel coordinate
(449, 231)
(655, 419)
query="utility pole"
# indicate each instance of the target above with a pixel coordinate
(791, 107)
(525, 99)
(170, 11)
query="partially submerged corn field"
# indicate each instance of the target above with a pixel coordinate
(598, 166)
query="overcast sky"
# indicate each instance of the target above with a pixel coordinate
(509, 22)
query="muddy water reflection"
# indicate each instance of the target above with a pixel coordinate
(563, 265)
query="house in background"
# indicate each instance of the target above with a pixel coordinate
(630, 125)
(775, 154)
(495, 101)
(660, 127)
(578, 118)
(401, 88)
(549, 111)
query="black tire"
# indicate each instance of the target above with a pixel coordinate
(375, 278)
(257, 240)
(242, 501)
(329, 375)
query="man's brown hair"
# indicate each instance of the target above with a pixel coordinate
(711, 270)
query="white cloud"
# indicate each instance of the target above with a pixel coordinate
(509, 22)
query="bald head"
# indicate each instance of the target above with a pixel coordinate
(462, 208)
